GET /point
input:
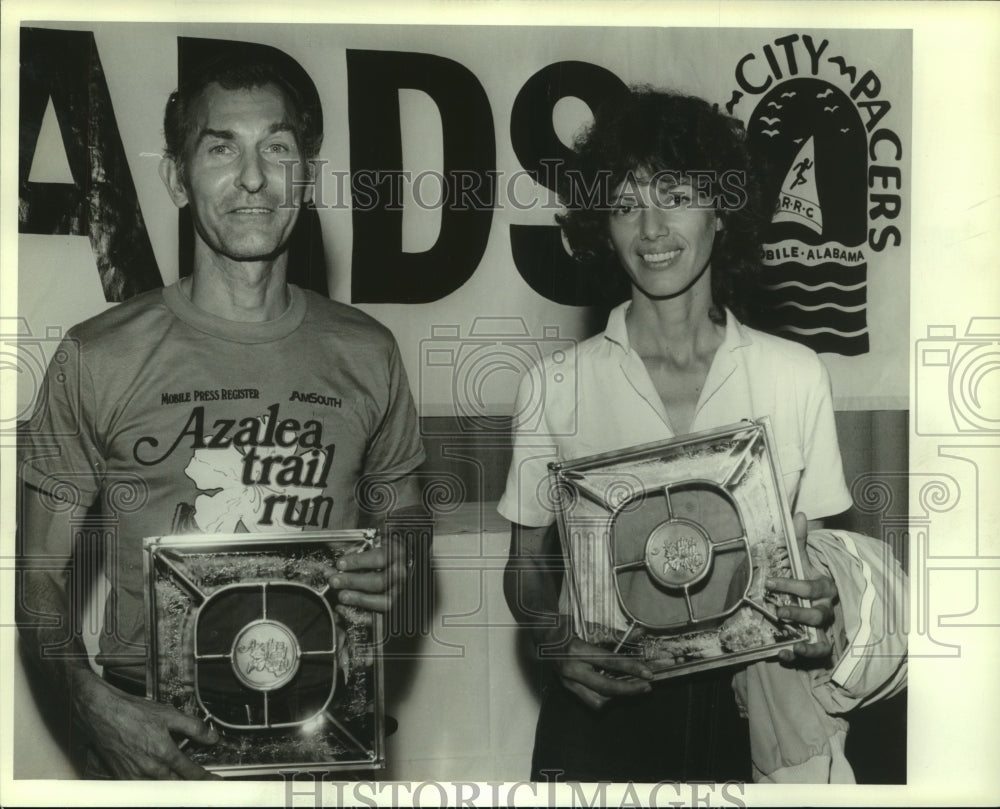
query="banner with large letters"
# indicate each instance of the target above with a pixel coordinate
(434, 205)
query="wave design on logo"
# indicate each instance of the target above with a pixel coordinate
(837, 320)
(817, 307)
(829, 341)
(823, 330)
(827, 315)
(832, 339)
(816, 287)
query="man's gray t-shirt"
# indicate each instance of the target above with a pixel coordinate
(174, 420)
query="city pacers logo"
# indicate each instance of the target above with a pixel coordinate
(814, 135)
(265, 655)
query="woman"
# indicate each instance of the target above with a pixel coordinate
(662, 188)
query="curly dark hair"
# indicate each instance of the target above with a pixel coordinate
(242, 67)
(646, 131)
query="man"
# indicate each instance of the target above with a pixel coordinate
(229, 401)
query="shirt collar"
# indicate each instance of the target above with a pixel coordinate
(616, 331)
(736, 335)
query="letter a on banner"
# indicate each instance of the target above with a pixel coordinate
(63, 67)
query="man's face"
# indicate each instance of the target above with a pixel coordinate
(661, 231)
(233, 177)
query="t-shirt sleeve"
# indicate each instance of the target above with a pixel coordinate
(58, 445)
(822, 491)
(526, 499)
(396, 449)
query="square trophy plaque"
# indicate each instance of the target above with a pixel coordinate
(668, 545)
(243, 634)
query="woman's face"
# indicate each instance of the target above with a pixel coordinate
(662, 231)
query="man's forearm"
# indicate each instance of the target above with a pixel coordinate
(45, 590)
(130, 734)
(48, 643)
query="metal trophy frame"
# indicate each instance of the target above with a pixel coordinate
(667, 546)
(242, 633)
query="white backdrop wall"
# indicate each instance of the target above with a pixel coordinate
(59, 283)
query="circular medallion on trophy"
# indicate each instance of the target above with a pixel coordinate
(265, 655)
(677, 553)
